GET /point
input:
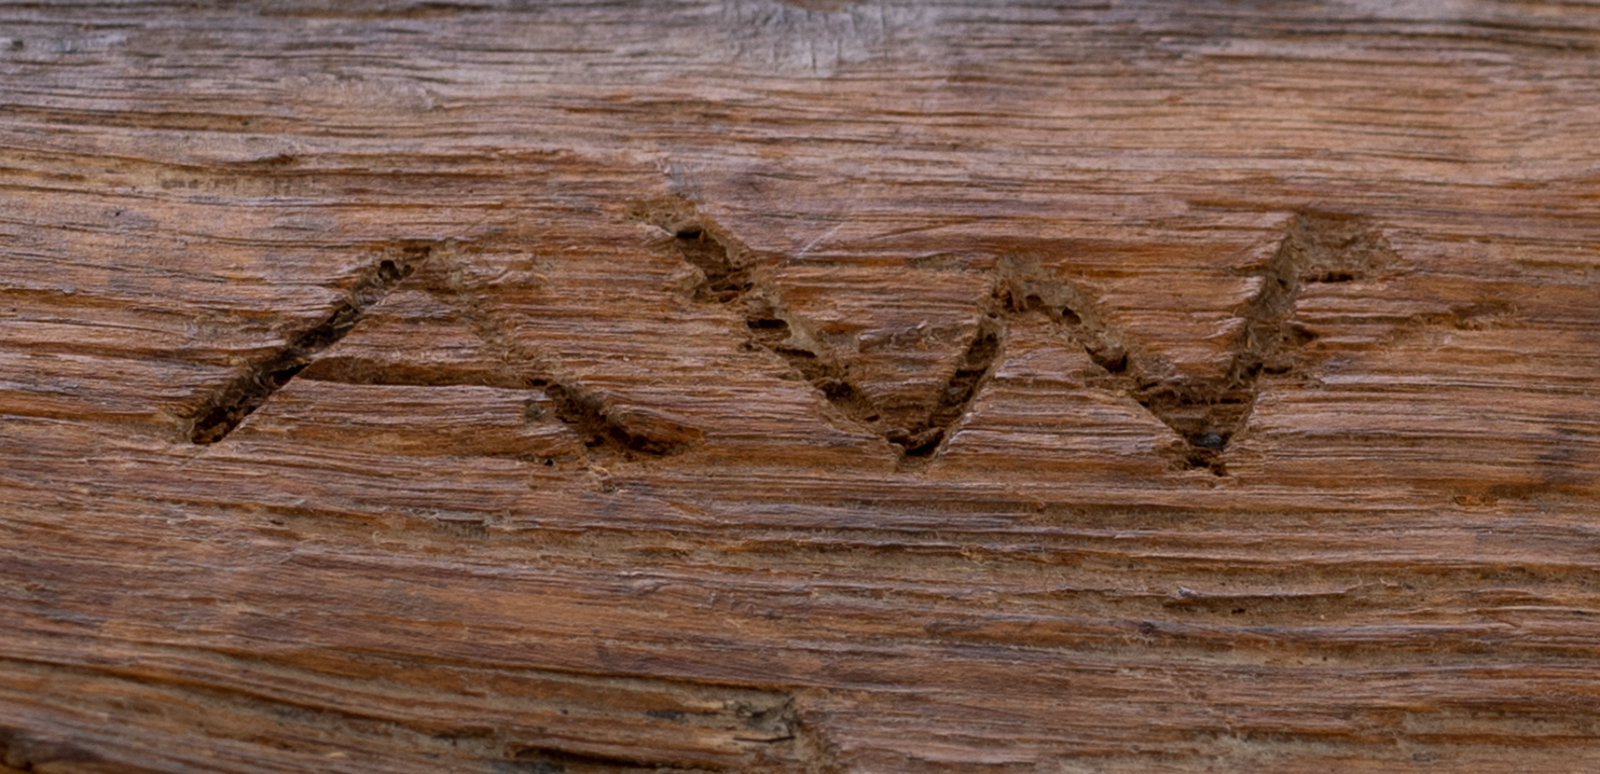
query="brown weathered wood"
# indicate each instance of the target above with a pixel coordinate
(800, 388)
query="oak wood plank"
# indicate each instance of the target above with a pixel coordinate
(799, 387)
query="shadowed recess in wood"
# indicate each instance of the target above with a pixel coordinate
(605, 426)
(956, 394)
(601, 424)
(1207, 413)
(731, 278)
(225, 409)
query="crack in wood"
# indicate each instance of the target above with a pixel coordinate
(545, 719)
(22, 751)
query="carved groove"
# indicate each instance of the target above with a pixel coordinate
(950, 405)
(730, 278)
(1316, 247)
(1205, 413)
(604, 427)
(224, 410)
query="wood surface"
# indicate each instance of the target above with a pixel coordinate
(814, 387)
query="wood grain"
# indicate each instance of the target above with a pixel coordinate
(806, 387)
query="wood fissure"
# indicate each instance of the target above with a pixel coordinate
(662, 724)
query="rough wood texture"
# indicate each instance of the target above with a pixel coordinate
(815, 387)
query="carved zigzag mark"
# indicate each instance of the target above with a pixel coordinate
(606, 427)
(223, 410)
(1316, 247)
(731, 278)
(1206, 413)
(603, 426)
